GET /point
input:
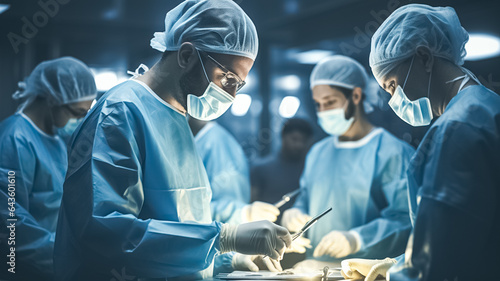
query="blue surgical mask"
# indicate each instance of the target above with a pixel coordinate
(333, 121)
(67, 131)
(212, 104)
(417, 112)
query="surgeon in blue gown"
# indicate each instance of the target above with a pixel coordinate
(136, 200)
(34, 161)
(454, 181)
(359, 171)
(229, 175)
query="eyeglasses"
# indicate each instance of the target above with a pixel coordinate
(230, 79)
(74, 112)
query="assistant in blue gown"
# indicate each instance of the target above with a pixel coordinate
(33, 162)
(39, 162)
(126, 211)
(364, 182)
(456, 176)
(227, 170)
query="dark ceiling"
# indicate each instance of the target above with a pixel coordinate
(116, 33)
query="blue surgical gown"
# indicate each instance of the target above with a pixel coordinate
(454, 180)
(39, 162)
(364, 182)
(136, 197)
(227, 170)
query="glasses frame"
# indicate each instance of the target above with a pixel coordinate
(72, 111)
(227, 75)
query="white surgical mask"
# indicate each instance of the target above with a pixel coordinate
(67, 131)
(212, 104)
(417, 112)
(333, 121)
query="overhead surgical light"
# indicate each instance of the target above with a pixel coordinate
(292, 6)
(241, 104)
(4, 7)
(482, 46)
(312, 56)
(288, 82)
(106, 79)
(250, 80)
(289, 106)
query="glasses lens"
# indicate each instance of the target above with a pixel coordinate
(240, 85)
(231, 80)
(75, 113)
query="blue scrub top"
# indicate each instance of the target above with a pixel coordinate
(39, 162)
(137, 197)
(364, 182)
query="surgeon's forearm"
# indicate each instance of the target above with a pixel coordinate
(223, 263)
(383, 235)
(177, 248)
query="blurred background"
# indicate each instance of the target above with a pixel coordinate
(112, 36)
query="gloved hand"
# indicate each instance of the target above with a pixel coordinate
(338, 244)
(293, 219)
(370, 269)
(255, 238)
(299, 245)
(254, 263)
(260, 211)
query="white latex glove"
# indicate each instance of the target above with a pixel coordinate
(370, 269)
(260, 211)
(293, 219)
(254, 263)
(338, 244)
(255, 238)
(299, 245)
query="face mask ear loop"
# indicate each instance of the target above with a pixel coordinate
(429, 87)
(409, 69)
(345, 106)
(203, 66)
(53, 125)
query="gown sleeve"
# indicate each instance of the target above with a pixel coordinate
(228, 172)
(147, 247)
(389, 232)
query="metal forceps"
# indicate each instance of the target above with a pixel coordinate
(310, 223)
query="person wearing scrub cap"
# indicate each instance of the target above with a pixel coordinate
(358, 170)
(137, 197)
(33, 161)
(417, 56)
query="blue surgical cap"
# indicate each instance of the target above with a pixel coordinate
(61, 81)
(345, 72)
(218, 26)
(414, 25)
